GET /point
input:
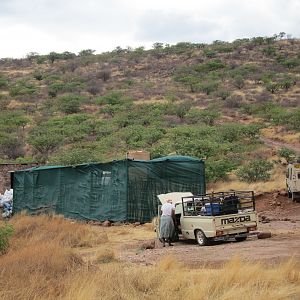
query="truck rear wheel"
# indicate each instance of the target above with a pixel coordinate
(202, 240)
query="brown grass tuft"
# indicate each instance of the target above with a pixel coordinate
(105, 255)
(43, 228)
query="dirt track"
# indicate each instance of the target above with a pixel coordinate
(282, 218)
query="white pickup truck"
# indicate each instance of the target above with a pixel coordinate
(293, 180)
(216, 216)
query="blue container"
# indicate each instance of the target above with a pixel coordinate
(212, 209)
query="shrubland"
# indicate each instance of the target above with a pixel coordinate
(209, 101)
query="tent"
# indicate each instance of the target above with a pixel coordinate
(124, 190)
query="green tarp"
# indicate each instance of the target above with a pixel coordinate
(124, 190)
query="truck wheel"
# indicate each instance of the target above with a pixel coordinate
(202, 240)
(293, 198)
(240, 238)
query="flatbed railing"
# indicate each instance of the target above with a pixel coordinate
(218, 203)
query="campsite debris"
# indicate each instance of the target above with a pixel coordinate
(264, 235)
(264, 219)
(6, 202)
(106, 223)
(95, 223)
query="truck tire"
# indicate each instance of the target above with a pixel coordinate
(202, 240)
(289, 194)
(240, 238)
(293, 198)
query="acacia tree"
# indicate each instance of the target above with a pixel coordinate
(52, 56)
(86, 52)
(44, 141)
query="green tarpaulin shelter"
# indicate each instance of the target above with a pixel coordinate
(124, 190)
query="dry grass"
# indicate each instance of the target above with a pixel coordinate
(43, 263)
(277, 182)
(279, 133)
(170, 280)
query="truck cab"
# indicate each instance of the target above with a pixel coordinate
(293, 181)
(216, 216)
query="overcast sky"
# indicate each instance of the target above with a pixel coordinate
(72, 25)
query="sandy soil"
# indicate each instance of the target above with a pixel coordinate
(277, 214)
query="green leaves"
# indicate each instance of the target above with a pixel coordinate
(22, 87)
(286, 153)
(255, 170)
(69, 104)
(6, 232)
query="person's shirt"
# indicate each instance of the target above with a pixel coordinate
(167, 209)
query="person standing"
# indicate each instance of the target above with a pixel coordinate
(167, 228)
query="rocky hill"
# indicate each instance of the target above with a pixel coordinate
(225, 102)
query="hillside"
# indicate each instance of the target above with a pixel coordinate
(225, 102)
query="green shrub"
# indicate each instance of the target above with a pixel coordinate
(223, 94)
(292, 120)
(209, 53)
(6, 232)
(178, 109)
(206, 116)
(238, 81)
(76, 155)
(218, 169)
(208, 87)
(210, 66)
(255, 170)
(69, 104)
(112, 98)
(38, 75)
(3, 82)
(21, 88)
(286, 153)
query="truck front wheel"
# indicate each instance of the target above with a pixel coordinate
(202, 240)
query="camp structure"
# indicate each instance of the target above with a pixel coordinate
(124, 190)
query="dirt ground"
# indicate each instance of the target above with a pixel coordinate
(277, 214)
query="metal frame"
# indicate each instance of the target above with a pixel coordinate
(247, 197)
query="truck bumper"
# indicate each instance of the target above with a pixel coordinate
(231, 236)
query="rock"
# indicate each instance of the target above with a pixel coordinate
(264, 235)
(266, 220)
(136, 224)
(283, 193)
(106, 223)
(148, 245)
(286, 219)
